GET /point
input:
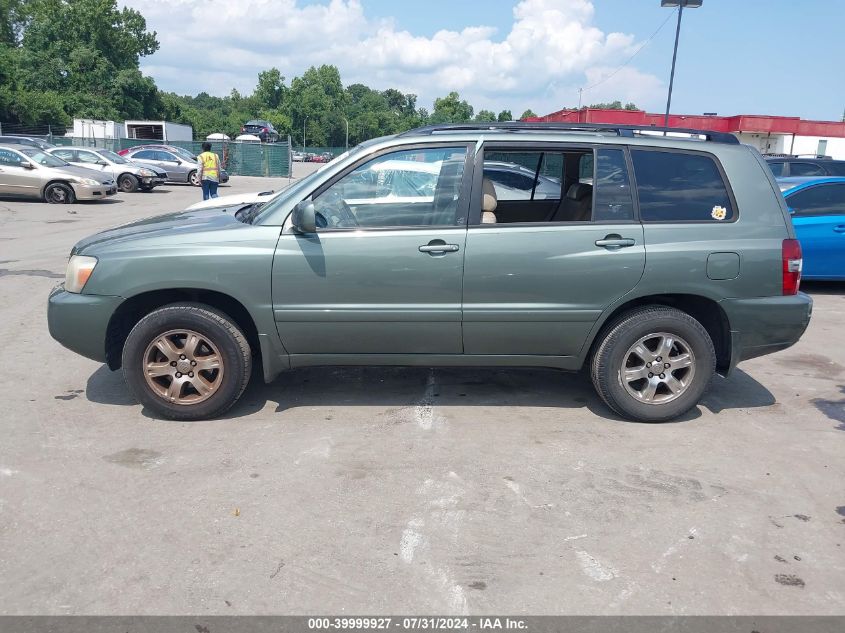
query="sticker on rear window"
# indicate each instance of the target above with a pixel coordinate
(719, 213)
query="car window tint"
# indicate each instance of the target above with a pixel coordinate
(776, 167)
(166, 156)
(805, 169)
(836, 168)
(87, 157)
(677, 187)
(64, 154)
(612, 189)
(828, 199)
(417, 187)
(145, 154)
(9, 158)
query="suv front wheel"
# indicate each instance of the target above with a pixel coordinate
(186, 362)
(654, 364)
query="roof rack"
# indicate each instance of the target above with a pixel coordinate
(619, 130)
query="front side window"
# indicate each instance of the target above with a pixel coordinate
(819, 200)
(680, 187)
(43, 158)
(416, 187)
(10, 159)
(776, 167)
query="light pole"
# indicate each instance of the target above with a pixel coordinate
(345, 120)
(689, 4)
(303, 132)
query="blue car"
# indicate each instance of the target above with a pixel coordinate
(817, 206)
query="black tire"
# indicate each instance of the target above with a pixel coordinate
(128, 183)
(219, 329)
(193, 179)
(59, 193)
(613, 353)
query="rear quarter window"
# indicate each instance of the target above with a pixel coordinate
(680, 187)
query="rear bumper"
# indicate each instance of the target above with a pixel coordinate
(764, 325)
(79, 322)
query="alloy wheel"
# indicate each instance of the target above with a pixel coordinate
(183, 367)
(658, 368)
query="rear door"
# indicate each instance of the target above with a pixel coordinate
(819, 221)
(382, 275)
(537, 279)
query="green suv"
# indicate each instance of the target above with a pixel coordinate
(664, 256)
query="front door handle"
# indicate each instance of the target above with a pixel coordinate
(615, 241)
(438, 247)
(839, 228)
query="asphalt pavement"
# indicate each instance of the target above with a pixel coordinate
(384, 491)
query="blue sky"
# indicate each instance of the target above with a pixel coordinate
(736, 56)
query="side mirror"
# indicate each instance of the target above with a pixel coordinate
(791, 210)
(102, 162)
(27, 165)
(304, 219)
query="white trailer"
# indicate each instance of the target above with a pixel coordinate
(158, 131)
(96, 129)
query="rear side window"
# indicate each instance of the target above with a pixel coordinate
(680, 187)
(145, 154)
(613, 188)
(805, 169)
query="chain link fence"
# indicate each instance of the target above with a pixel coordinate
(271, 160)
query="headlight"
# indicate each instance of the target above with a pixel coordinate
(147, 173)
(79, 269)
(86, 181)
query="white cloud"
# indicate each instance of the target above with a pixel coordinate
(552, 48)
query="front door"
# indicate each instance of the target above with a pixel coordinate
(16, 180)
(819, 221)
(382, 274)
(541, 269)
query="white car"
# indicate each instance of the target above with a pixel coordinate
(236, 199)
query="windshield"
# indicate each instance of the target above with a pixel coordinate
(306, 183)
(42, 158)
(117, 159)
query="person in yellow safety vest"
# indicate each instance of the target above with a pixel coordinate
(209, 171)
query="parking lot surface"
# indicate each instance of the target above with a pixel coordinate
(384, 491)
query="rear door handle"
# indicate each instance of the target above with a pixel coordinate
(839, 228)
(438, 248)
(615, 241)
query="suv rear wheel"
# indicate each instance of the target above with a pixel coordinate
(654, 364)
(186, 362)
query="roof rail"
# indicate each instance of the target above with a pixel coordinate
(543, 126)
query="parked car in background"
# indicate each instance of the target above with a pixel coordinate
(129, 176)
(676, 260)
(181, 165)
(264, 130)
(297, 156)
(783, 166)
(30, 172)
(25, 140)
(817, 206)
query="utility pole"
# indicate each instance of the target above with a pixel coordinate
(580, 92)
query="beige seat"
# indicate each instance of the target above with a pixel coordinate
(489, 202)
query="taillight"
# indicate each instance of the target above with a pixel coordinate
(264, 129)
(792, 261)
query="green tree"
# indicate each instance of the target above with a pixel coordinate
(529, 113)
(270, 90)
(485, 115)
(451, 109)
(504, 115)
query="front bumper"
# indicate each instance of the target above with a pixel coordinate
(153, 181)
(93, 192)
(79, 321)
(764, 325)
